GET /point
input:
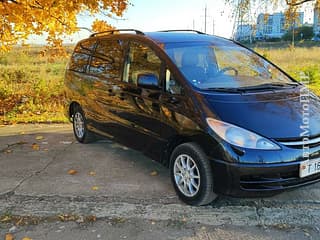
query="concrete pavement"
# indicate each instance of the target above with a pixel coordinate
(110, 180)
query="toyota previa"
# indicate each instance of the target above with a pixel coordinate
(222, 118)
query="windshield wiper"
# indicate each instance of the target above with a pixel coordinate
(266, 86)
(269, 86)
(226, 90)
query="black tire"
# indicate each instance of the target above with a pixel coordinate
(199, 179)
(80, 129)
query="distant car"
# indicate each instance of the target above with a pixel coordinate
(315, 39)
(221, 117)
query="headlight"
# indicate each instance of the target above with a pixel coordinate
(240, 137)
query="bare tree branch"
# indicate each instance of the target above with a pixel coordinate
(292, 4)
(85, 28)
(9, 1)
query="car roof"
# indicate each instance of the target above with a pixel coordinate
(175, 37)
(169, 36)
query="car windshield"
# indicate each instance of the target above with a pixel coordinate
(224, 65)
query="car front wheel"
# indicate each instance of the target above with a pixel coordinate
(191, 175)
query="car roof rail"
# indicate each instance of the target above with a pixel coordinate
(183, 30)
(117, 31)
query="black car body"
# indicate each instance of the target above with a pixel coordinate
(223, 118)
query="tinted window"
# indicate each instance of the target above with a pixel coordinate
(141, 60)
(80, 56)
(107, 59)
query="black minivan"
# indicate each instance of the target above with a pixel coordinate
(221, 117)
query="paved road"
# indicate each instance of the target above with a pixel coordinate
(112, 181)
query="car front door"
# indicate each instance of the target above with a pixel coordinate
(142, 118)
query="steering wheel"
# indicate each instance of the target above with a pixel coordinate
(226, 69)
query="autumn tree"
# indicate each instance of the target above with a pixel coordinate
(293, 5)
(58, 18)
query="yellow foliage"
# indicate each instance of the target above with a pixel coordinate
(21, 18)
(100, 26)
(9, 236)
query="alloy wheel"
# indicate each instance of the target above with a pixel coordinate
(78, 122)
(186, 175)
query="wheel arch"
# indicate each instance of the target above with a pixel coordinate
(206, 142)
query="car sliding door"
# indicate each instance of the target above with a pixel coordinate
(105, 75)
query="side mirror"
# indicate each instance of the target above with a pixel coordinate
(148, 80)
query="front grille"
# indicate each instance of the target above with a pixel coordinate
(301, 142)
(281, 181)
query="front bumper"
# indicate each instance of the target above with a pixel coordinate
(257, 180)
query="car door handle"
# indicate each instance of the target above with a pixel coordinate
(122, 96)
(111, 93)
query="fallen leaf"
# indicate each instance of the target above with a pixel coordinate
(65, 142)
(8, 151)
(119, 220)
(91, 218)
(20, 221)
(72, 172)
(26, 238)
(39, 137)
(80, 219)
(95, 188)
(35, 147)
(6, 219)
(154, 173)
(92, 173)
(67, 217)
(9, 236)
(22, 133)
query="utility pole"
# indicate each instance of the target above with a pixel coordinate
(293, 35)
(293, 28)
(205, 19)
(212, 26)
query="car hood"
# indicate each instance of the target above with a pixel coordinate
(283, 114)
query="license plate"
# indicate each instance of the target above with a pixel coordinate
(309, 167)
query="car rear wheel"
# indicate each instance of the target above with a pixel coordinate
(191, 175)
(80, 130)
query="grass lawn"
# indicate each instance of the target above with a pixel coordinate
(31, 87)
(297, 62)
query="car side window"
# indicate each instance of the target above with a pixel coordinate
(141, 59)
(107, 59)
(80, 57)
(172, 85)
